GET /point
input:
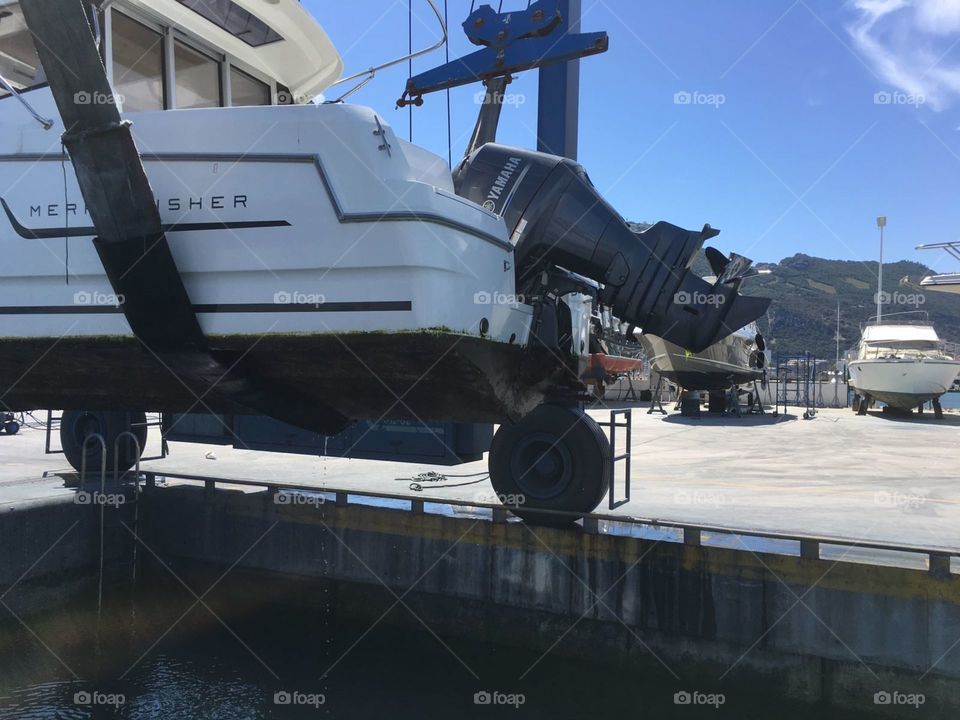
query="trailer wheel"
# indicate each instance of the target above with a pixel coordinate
(78, 425)
(556, 458)
(11, 427)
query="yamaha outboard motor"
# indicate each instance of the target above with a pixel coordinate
(557, 219)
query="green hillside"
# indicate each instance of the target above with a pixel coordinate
(806, 290)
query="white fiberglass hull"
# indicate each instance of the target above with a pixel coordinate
(948, 283)
(280, 219)
(903, 383)
(332, 259)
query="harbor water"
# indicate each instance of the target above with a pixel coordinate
(159, 653)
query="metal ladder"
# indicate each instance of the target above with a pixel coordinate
(626, 457)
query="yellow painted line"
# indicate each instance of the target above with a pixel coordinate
(742, 564)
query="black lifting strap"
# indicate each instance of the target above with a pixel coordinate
(131, 244)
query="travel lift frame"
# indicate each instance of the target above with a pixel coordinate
(131, 242)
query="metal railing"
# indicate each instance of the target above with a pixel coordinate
(939, 559)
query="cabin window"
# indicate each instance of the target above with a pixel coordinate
(232, 18)
(246, 90)
(19, 63)
(197, 77)
(137, 65)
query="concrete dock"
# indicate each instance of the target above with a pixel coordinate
(874, 478)
(838, 624)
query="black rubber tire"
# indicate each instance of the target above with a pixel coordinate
(76, 425)
(11, 427)
(570, 454)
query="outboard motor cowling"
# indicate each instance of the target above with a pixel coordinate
(556, 217)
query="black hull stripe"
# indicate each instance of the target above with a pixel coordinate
(331, 307)
(344, 217)
(55, 233)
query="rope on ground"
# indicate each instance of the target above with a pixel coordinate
(440, 480)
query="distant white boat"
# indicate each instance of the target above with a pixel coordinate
(901, 365)
(947, 282)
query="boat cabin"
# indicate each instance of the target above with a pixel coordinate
(182, 54)
(906, 341)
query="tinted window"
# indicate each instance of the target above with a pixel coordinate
(19, 63)
(198, 78)
(137, 65)
(235, 20)
(246, 90)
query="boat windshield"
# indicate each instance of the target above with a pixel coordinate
(902, 349)
(19, 64)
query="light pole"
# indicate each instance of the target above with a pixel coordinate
(836, 366)
(881, 223)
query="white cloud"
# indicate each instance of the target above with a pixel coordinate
(910, 45)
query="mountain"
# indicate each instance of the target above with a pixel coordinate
(806, 290)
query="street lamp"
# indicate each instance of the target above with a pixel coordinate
(881, 223)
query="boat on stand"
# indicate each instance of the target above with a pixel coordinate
(899, 362)
(727, 369)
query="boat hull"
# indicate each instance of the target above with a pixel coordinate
(903, 383)
(717, 369)
(427, 376)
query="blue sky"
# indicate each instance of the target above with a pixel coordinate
(787, 146)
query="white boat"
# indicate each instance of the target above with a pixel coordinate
(212, 240)
(900, 365)
(945, 282)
